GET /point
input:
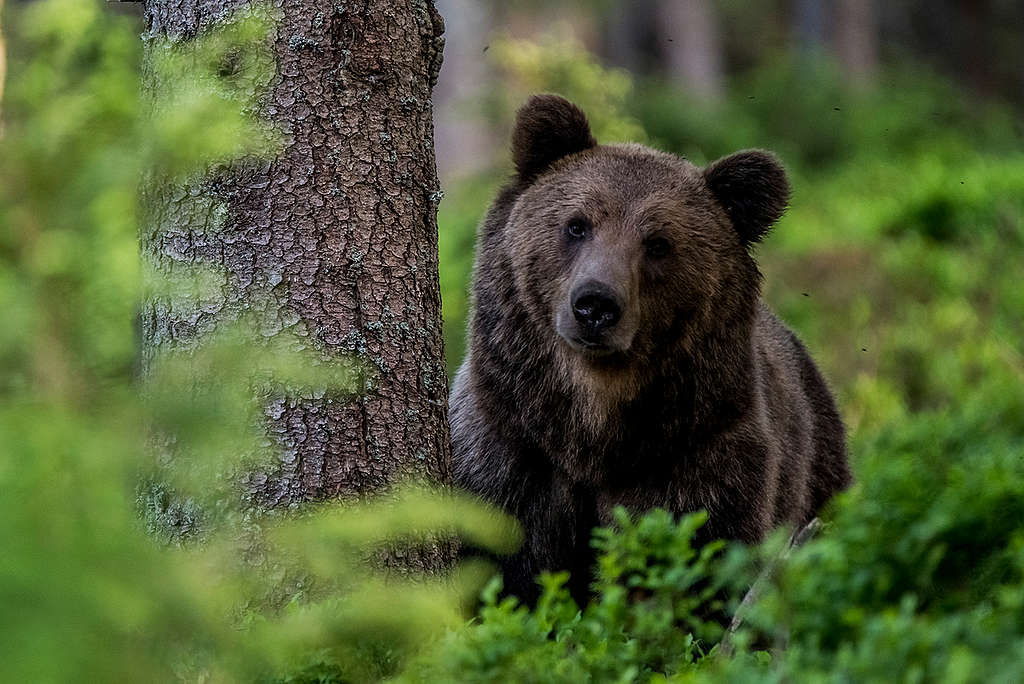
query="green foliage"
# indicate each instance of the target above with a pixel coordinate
(558, 63)
(800, 109)
(657, 599)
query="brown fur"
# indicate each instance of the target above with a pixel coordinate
(696, 398)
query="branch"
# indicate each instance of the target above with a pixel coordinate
(725, 648)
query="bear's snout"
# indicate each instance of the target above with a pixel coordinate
(595, 307)
(594, 320)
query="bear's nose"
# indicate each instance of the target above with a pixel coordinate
(596, 307)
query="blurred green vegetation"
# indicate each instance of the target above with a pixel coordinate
(898, 263)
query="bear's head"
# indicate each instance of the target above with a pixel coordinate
(622, 251)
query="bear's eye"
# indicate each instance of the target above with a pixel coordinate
(577, 229)
(657, 247)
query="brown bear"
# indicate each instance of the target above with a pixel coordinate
(619, 351)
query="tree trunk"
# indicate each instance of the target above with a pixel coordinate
(974, 47)
(629, 36)
(464, 142)
(692, 44)
(335, 240)
(857, 41)
(809, 19)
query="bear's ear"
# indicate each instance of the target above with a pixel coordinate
(752, 188)
(548, 127)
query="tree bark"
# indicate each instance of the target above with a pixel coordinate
(334, 241)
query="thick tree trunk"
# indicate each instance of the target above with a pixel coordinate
(335, 240)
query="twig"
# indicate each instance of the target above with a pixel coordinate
(725, 648)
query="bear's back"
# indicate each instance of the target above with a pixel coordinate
(804, 420)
